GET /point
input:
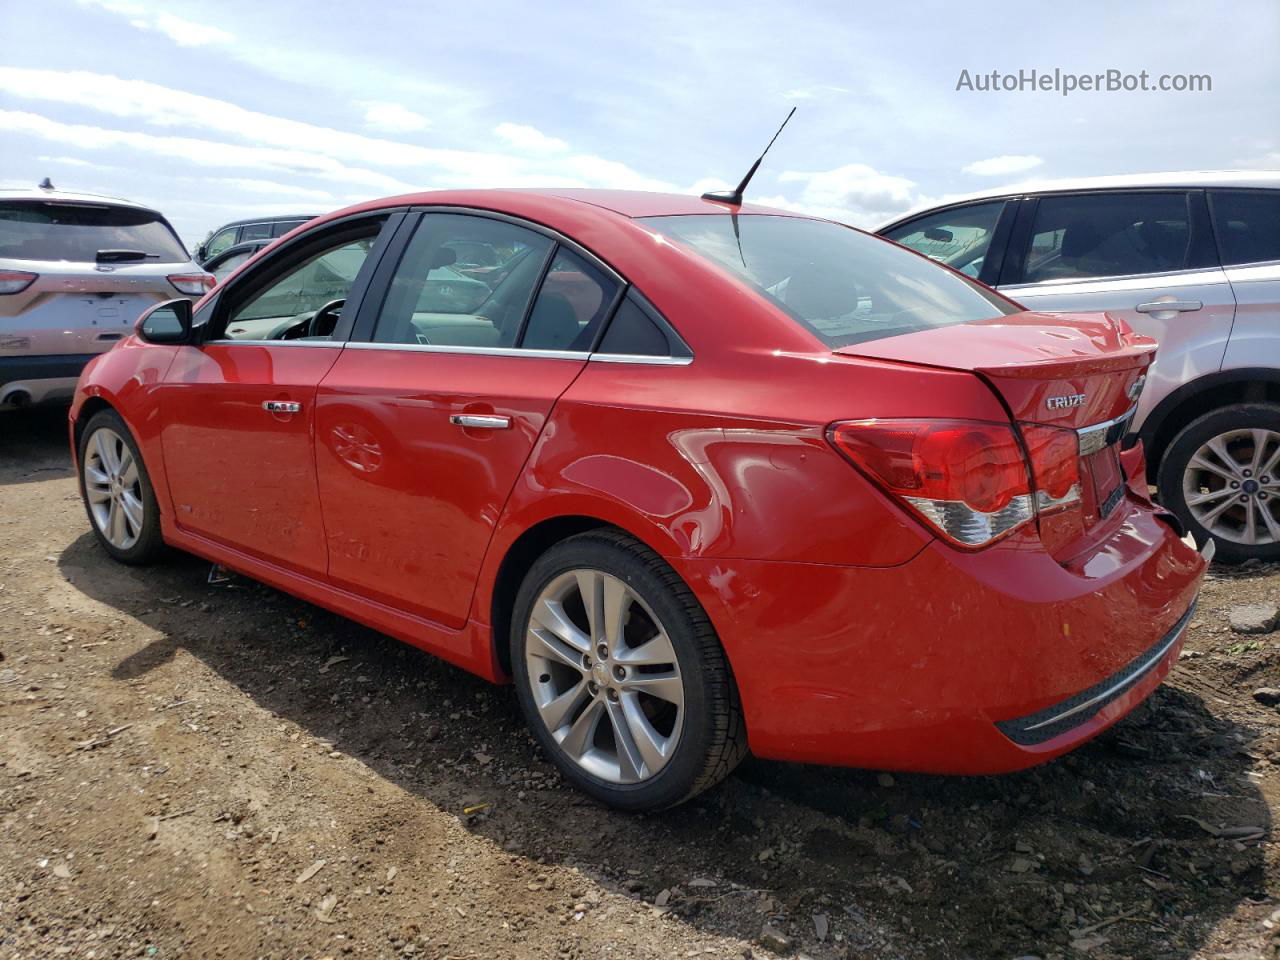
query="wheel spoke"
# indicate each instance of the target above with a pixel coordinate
(1260, 438)
(95, 475)
(1212, 515)
(559, 710)
(128, 470)
(1273, 527)
(1219, 447)
(664, 686)
(132, 512)
(1201, 463)
(105, 454)
(1251, 521)
(591, 588)
(616, 601)
(1268, 468)
(1194, 500)
(655, 652)
(650, 744)
(115, 522)
(630, 760)
(97, 494)
(549, 614)
(579, 736)
(546, 645)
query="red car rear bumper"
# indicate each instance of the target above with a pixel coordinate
(920, 666)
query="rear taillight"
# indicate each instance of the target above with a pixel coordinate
(15, 281)
(1055, 466)
(193, 284)
(967, 479)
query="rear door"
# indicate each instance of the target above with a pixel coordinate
(238, 410)
(427, 418)
(1247, 224)
(1145, 256)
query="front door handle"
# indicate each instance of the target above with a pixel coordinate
(1169, 306)
(281, 406)
(475, 421)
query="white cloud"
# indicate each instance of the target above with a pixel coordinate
(524, 137)
(853, 193)
(392, 118)
(1003, 166)
(812, 93)
(185, 33)
(271, 188)
(67, 161)
(203, 153)
(277, 143)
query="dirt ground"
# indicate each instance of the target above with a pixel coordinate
(197, 770)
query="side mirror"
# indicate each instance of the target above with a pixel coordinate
(168, 322)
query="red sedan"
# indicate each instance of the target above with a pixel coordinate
(698, 478)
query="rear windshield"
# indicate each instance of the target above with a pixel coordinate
(47, 230)
(844, 286)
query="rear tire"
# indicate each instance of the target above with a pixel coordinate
(641, 714)
(1220, 476)
(117, 491)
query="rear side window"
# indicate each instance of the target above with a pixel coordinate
(255, 231)
(1247, 223)
(843, 285)
(958, 237)
(1107, 235)
(221, 241)
(54, 230)
(281, 227)
(436, 299)
(571, 305)
(634, 333)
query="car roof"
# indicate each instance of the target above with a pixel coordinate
(547, 205)
(68, 196)
(273, 218)
(1188, 179)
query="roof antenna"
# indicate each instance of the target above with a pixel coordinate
(734, 197)
(47, 184)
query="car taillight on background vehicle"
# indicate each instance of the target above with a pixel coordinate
(967, 479)
(193, 284)
(15, 281)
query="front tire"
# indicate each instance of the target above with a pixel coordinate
(620, 675)
(1219, 475)
(117, 491)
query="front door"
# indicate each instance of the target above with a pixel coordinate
(424, 427)
(1146, 257)
(238, 409)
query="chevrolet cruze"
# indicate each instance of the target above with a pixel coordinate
(699, 478)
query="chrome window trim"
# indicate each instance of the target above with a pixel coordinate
(472, 351)
(1096, 436)
(640, 358)
(508, 352)
(277, 343)
(1214, 276)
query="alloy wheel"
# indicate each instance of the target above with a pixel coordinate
(1231, 486)
(113, 487)
(604, 676)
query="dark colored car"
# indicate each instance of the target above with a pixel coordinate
(242, 231)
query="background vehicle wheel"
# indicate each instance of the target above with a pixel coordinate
(117, 492)
(1220, 477)
(621, 676)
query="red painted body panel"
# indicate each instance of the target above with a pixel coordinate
(238, 474)
(855, 635)
(410, 524)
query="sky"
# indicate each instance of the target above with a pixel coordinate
(216, 111)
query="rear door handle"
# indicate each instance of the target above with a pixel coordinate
(1169, 306)
(477, 421)
(281, 406)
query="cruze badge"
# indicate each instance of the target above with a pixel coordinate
(1065, 403)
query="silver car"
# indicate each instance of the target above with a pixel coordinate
(76, 270)
(1191, 259)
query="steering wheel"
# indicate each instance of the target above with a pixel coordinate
(325, 320)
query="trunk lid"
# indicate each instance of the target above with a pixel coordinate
(1079, 372)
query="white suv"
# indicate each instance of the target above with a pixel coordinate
(1191, 259)
(76, 271)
